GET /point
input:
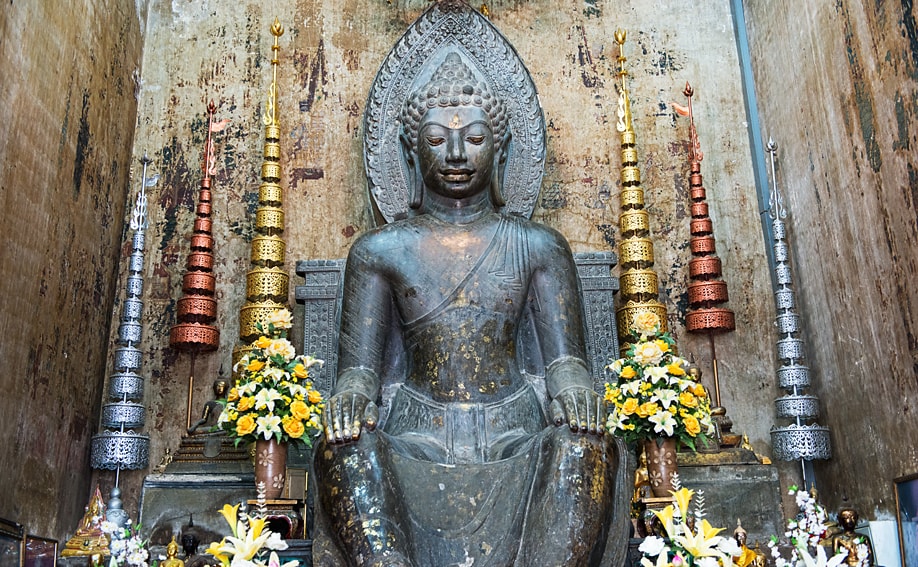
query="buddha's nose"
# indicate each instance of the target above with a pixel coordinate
(455, 148)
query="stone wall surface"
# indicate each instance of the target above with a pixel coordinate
(67, 111)
(330, 52)
(838, 89)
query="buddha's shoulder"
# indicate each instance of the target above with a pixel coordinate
(539, 236)
(387, 237)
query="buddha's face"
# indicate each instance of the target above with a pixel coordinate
(847, 519)
(456, 151)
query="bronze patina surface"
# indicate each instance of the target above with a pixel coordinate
(485, 456)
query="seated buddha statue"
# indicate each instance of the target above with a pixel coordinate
(474, 464)
(858, 546)
(89, 538)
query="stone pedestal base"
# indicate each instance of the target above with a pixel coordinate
(749, 491)
(170, 502)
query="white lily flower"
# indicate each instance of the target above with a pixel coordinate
(268, 425)
(656, 373)
(665, 397)
(663, 422)
(266, 397)
(631, 388)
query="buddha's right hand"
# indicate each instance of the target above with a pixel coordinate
(347, 414)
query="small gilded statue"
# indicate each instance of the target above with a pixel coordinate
(747, 556)
(89, 538)
(171, 552)
(858, 546)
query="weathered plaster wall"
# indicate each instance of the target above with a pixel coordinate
(838, 89)
(67, 112)
(330, 53)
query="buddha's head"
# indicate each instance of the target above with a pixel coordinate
(847, 519)
(454, 135)
(172, 548)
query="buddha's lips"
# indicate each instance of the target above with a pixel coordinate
(457, 174)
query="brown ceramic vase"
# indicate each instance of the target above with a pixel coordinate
(661, 464)
(270, 467)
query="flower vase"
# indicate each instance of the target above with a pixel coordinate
(661, 464)
(270, 467)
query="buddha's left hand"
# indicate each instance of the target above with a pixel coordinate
(582, 408)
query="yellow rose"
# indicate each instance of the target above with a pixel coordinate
(245, 403)
(662, 344)
(648, 409)
(699, 391)
(255, 365)
(691, 425)
(294, 427)
(675, 369)
(262, 342)
(245, 425)
(630, 406)
(300, 372)
(315, 396)
(233, 395)
(688, 399)
(646, 322)
(300, 410)
(628, 373)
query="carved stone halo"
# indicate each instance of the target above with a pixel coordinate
(452, 26)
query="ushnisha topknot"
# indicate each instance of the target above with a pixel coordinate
(454, 84)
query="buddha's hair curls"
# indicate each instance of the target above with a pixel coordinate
(454, 84)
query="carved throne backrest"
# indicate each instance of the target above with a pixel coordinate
(322, 290)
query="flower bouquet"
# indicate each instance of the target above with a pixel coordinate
(273, 397)
(652, 395)
(126, 547)
(807, 534)
(249, 542)
(689, 539)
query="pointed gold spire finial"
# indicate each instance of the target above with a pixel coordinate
(270, 117)
(267, 282)
(639, 287)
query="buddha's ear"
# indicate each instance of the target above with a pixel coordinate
(505, 148)
(415, 182)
